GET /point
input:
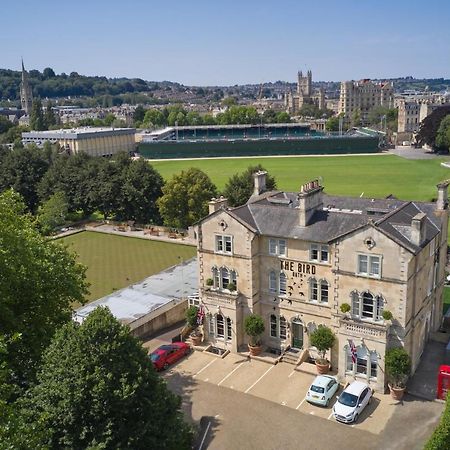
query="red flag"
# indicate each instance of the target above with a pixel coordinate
(353, 350)
(200, 314)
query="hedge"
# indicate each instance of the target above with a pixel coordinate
(440, 439)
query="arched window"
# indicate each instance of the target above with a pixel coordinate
(229, 335)
(273, 326)
(272, 282)
(380, 307)
(366, 363)
(220, 326)
(313, 290)
(225, 274)
(355, 304)
(282, 283)
(216, 278)
(323, 291)
(368, 307)
(211, 325)
(283, 327)
(233, 277)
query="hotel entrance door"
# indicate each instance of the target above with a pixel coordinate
(297, 334)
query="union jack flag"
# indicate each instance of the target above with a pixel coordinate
(200, 314)
(352, 350)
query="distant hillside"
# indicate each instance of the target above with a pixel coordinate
(48, 84)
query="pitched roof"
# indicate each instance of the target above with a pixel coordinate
(276, 214)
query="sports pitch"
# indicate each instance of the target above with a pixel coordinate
(372, 176)
(114, 262)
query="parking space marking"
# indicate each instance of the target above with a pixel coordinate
(207, 365)
(260, 378)
(301, 403)
(330, 416)
(292, 373)
(231, 373)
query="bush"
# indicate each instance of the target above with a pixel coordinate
(191, 316)
(209, 282)
(387, 315)
(440, 438)
(231, 287)
(398, 366)
(345, 308)
(323, 339)
(254, 327)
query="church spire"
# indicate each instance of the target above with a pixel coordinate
(26, 95)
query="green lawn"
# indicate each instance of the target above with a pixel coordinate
(375, 176)
(114, 262)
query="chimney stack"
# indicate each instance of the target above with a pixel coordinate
(309, 201)
(442, 199)
(259, 181)
(217, 203)
(418, 234)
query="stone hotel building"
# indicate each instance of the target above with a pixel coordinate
(296, 257)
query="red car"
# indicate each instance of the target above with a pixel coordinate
(166, 355)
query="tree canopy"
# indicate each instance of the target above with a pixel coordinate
(97, 389)
(239, 187)
(39, 281)
(443, 133)
(430, 126)
(185, 198)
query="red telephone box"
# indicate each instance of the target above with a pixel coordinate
(443, 382)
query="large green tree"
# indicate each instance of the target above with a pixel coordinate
(52, 213)
(97, 389)
(22, 170)
(185, 198)
(37, 119)
(239, 187)
(443, 133)
(141, 187)
(39, 281)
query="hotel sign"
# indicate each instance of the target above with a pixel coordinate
(298, 269)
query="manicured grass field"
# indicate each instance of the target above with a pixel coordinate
(114, 262)
(374, 176)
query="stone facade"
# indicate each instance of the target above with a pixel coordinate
(360, 97)
(304, 95)
(93, 141)
(26, 94)
(295, 258)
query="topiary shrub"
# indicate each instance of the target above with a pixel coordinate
(398, 366)
(323, 339)
(345, 308)
(209, 282)
(387, 315)
(254, 328)
(191, 316)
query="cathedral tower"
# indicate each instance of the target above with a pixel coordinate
(26, 95)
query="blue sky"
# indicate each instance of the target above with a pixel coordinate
(210, 42)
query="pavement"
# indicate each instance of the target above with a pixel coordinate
(413, 153)
(250, 404)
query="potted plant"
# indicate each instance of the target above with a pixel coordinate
(191, 322)
(209, 282)
(231, 287)
(345, 309)
(254, 328)
(387, 315)
(323, 339)
(398, 368)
